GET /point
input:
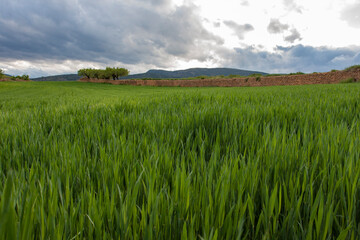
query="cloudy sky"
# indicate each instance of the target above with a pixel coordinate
(47, 37)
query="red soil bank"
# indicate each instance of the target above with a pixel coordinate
(314, 78)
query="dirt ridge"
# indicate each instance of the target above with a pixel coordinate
(305, 79)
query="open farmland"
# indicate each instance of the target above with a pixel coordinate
(84, 161)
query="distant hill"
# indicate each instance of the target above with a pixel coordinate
(187, 73)
(192, 72)
(6, 76)
(66, 77)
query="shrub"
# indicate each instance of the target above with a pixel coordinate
(1, 73)
(274, 75)
(255, 75)
(355, 67)
(297, 73)
(258, 79)
(334, 70)
(348, 80)
(234, 76)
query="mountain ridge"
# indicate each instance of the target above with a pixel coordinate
(192, 72)
(164, 74)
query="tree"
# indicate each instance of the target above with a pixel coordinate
(117, 72)
(85, 72)
(111, 72)
(25, 77)
(95, 73)
(121, 72)
(104, 74)
(107, 73)
(1, 73)
(18, 77)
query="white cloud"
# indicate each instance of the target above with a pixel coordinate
(245, 3)
(294, 35)
(351, 14)
(275, 26)
(291, 5)
(239, 29)
(292, 59)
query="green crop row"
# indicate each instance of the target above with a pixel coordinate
(94, 161)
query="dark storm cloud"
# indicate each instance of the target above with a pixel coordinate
(351, 14)
(131, 32)
(294, 35)
(275, 26)
(293, 59)
(239, 30)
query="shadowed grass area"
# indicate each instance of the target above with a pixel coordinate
(84, 161)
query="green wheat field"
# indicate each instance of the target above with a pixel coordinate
(98, 161)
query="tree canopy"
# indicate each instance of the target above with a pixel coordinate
(108, 73)
(23, 77)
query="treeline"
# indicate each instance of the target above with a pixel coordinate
(108, 73)
(23, 77)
